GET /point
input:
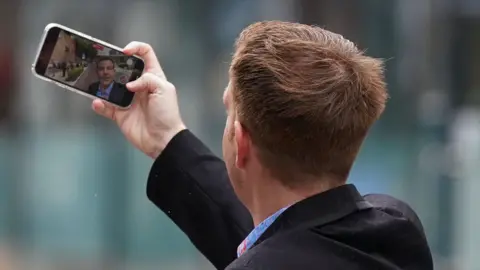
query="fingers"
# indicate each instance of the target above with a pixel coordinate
(145, 51)
(148, 82)
(103, 109)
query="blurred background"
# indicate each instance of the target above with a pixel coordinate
(72, 190)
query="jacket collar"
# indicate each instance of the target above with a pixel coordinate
(318, 210)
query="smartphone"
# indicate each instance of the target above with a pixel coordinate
(85, 65)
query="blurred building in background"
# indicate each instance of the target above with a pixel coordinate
(66, 50)
(72, 190)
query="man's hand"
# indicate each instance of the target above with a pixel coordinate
(154, 117)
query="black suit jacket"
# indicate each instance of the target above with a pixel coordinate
(335, 230)
(116, 94)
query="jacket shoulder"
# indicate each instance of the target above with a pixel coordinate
(394, 207)
(304, 249)
(119, 85)
(93, 87)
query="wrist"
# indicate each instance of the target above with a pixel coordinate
(165, 140)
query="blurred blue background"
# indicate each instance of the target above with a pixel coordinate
(72, 190)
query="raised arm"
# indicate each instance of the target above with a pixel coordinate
(190, 184)
(187, 181)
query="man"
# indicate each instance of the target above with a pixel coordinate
(107, 88)
(300, 102)
(63, 66)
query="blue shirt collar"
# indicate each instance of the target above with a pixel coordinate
(104, 92)
(258, 231)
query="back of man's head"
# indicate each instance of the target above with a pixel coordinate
(307, 97)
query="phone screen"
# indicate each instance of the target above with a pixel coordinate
(85, 65)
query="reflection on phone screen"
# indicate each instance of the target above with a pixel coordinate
(88, 66)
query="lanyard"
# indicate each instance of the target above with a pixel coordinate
(257, 232)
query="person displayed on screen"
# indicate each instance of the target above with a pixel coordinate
(106, 87)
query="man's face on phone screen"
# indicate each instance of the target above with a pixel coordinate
(106, 72)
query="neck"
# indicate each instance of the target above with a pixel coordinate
(105, 86)
(272, 196)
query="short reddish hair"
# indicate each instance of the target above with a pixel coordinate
(306, 96)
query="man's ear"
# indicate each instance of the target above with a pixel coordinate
(242, 141)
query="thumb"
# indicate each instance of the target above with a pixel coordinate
(103, 109)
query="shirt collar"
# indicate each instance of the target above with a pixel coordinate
(106, 90)
(258, 231)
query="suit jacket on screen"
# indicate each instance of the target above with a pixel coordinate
(335, 230)
(116, 94)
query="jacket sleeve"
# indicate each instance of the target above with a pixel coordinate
(191, 186)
